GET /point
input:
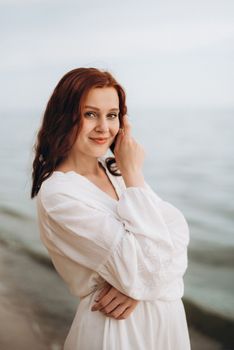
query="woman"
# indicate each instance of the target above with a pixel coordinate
(107, 232)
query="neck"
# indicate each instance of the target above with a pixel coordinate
(83, 164)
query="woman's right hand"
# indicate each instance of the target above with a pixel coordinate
(113, 303)
(129, 156)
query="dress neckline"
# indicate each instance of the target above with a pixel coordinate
(101, 160)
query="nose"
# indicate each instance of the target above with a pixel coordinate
(102, 125)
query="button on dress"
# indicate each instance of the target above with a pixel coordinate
(138, 244)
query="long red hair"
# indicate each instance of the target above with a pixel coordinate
(62, 116)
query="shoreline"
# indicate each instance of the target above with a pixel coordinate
(37, 309)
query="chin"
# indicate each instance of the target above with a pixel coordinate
(100, 153)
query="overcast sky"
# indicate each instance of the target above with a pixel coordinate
(165, 53)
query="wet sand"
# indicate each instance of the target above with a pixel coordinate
(36, 308)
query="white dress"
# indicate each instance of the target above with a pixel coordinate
(138, 244)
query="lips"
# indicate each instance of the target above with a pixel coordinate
(99, 140)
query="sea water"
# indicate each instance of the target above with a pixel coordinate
(189, 162)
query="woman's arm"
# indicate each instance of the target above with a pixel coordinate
(141, 251)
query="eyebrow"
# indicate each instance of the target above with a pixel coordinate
(97, 109)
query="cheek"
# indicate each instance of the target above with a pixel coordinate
(116, 126)
(86, 128)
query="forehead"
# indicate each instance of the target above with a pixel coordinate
(106, 97)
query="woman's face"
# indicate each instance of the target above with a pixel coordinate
(100, 116)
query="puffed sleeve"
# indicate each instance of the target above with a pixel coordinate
(139, 251)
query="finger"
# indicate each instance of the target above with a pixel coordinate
(118, 139)
(100, 305)
(125, 314)
(122, 132)
(105, 300)
(122, 311)
(119, 311)
(128, 310)
(111, 307)
(120, 299)
(103, 292)
(126, 125)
